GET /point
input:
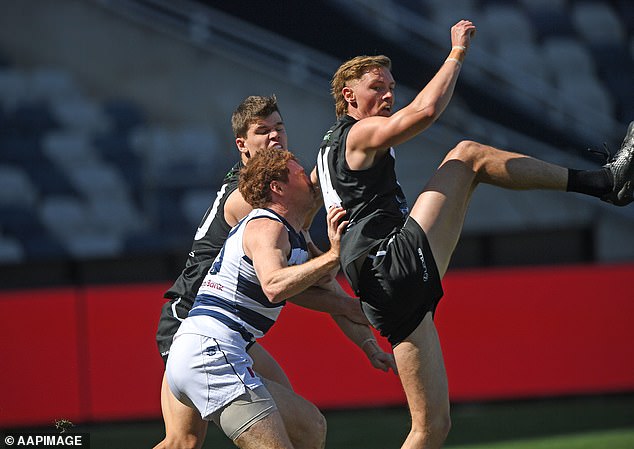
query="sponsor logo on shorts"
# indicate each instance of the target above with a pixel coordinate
(422, 261)
(211, 350)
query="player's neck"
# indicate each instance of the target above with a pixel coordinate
(296, 220)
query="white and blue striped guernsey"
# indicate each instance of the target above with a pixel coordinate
(231, 292)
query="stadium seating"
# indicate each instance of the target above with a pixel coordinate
(89, 176)
(81, 178)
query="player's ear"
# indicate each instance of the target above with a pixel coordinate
(314, 178)
(276, 187)
(242, 146)
(348, 94)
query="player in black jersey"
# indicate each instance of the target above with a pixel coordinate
(394, 257)
(257, 124)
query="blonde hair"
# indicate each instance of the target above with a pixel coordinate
(354, 69)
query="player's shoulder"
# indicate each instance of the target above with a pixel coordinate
(264, 229)
(233, 174)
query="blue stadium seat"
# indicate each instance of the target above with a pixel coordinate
(11, 251)
(549, 18)
(597, 23)
(20, 221)
(114, 147)
(48, 178)
(16, 186)
(23, 224)
(18, 148)
(30, 119)
(124, 114)
(13, 88)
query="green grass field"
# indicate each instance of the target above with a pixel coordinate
(605, 422)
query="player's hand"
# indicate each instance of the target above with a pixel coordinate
(462, 32)
(384, 361)
(336, 227)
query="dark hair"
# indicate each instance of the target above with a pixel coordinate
(250, 110)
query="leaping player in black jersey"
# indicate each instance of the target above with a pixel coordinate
(394, 257)
(257, 124)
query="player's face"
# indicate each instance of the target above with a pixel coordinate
(264, 133)
(299, 182)
(373, 94)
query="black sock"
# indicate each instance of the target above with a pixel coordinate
(591, 182)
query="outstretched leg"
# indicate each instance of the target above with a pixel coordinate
(441, 208)
(440, 211)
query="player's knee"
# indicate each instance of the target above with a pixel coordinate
(438, 428)
(321, 429)
(467, 151)
(312, 432)
(434, 428)
(317, 431)
(442, 426)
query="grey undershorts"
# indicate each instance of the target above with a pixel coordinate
(244, 411)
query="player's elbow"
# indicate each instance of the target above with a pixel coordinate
(430, 113)
(273, 293)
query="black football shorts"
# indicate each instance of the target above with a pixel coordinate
(400, 283)
(173, 313)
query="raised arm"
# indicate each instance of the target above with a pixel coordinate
(379, 132)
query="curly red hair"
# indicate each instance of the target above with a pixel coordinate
(263, 168)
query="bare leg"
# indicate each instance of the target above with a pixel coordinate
(267, 433)
(184, 428)
(441, 208)
(422, 371)
(304, 423)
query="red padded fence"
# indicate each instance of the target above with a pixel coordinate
(88, 353)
